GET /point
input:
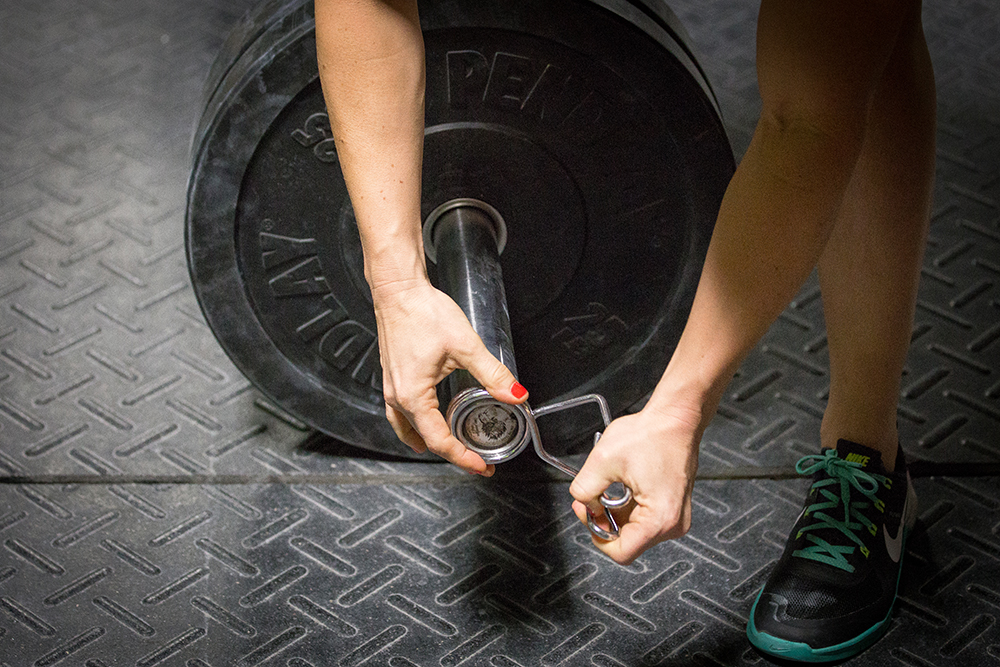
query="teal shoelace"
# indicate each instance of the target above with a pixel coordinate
(832, 493)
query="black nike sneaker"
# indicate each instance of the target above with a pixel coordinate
(831, 594)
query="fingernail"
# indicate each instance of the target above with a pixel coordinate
(518, 390)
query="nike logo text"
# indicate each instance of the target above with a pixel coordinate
(857, 458)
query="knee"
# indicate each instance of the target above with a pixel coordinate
(814, 133)
(832, 112)
(819, 67)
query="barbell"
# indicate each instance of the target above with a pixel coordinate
(577, 143)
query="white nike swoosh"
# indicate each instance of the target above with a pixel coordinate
(894, 545)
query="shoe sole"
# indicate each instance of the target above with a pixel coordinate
(802, 652)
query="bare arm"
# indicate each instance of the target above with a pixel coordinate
(371, 63)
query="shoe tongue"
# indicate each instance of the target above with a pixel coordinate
(870, 459)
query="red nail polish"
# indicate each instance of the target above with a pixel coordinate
(518, 390)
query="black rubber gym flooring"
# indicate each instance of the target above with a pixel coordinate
(158, 510)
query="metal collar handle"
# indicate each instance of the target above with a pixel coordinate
(500, 431)
(617, 495)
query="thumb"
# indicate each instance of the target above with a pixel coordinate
(494, 376)
(594, 478)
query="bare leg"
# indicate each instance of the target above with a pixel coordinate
(831, 593)
(871, 264)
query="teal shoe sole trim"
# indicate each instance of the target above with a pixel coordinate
(802, 652)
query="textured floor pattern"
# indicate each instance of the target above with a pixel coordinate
(156, 509)
(441, 573)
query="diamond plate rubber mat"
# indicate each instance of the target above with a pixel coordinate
(442, 573)
(156, 509)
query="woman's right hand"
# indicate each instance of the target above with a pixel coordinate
(423, 336)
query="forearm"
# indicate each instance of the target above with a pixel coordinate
(371, 65)
(774, 221)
